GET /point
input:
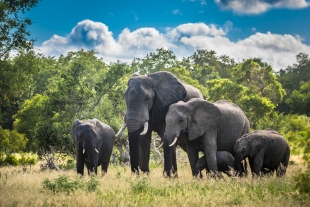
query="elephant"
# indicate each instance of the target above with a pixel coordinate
(209, 127)
(147, 100)
(225, 163)
(266, 150)
(94, 142)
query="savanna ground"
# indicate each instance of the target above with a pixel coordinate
(121, 188)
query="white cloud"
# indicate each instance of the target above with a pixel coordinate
(176, 11)
(259, 6)
(277, 50)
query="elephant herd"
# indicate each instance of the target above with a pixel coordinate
(177, 112)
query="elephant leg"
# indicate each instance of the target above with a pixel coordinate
(257, 164)
(87, 167)
(80, 159)
(210, 149)
(104, 167)
(174, 162)
(144, 151)
(193, 156)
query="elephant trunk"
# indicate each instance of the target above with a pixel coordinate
(134, 150)
(167, 158)
(90, 149)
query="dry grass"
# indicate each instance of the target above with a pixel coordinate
(120, 188)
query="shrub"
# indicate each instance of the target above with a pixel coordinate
(10, 159)
(62, 184)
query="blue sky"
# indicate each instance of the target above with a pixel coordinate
(274, 30)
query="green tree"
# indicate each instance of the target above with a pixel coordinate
(204, 65)
(13, 26)
(80, 87)
(161, 60)
(299, 101)
(224, 88)
(16, 84)
(291, 79)
(32, 112)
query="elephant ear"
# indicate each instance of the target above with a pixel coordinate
(257, 143)
(98, 128)
(205, 116)
(74, 126)
(168, 90)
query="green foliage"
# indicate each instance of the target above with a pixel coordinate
(260, 79)
(28, 159)
(16, 76)
(256, 108)
(64, 184)
(291, 79)
(11, 160)
(140, 185)
(161, 60)
(299, 101)
(302, 179)
(11, 141)
(68, 166)
(15, 160)
(13, 26)
(92, 184)
(225, 89)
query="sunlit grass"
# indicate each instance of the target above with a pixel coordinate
(121, 188)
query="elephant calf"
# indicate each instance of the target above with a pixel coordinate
(264, 149)
(94, 142)
(225, 163)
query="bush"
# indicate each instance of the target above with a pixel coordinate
(64, 184)
(10, 159)
(302, 179)
(68, 166)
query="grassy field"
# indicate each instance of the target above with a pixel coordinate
(121, 188)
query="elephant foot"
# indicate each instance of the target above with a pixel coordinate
(170, 174)
(135, 171)
(215, 175)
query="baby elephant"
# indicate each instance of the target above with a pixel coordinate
(225, 163)
(264, 149)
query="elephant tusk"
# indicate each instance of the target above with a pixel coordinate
(96, 150)
(83, 151)
(174, 141)
(146, 127)
(161, 144)
(120, 132)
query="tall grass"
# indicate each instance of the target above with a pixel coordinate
(121, 188)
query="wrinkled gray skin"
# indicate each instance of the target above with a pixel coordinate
(266, 150)
(148, 99)
(210, 127)
(225, 163)
(87, 136)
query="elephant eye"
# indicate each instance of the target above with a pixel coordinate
(243, 150)
(147, 98)
(181, 120)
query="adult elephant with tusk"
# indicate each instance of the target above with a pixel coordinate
(94, 142)
(148, 99)
(210, 127)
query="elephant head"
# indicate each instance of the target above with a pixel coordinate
(194, 117)
(148, 99)
(247, 146)
(86, 140)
